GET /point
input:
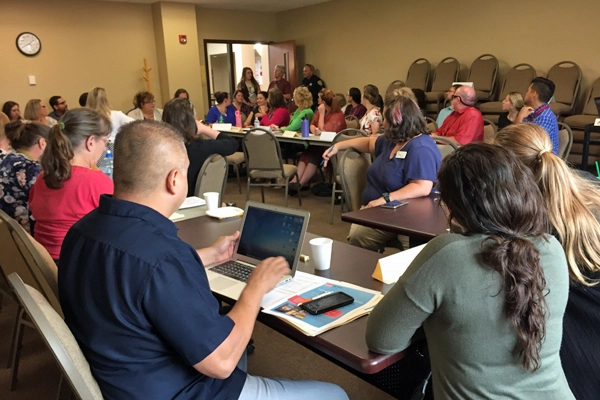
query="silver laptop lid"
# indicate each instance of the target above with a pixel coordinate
(271, 231)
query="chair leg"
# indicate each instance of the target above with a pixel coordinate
(248, 189)
(237, 173)
(287, 183)
(262, 193)
(299, 190)
(16, 356)
(332, 203)
(13, 337)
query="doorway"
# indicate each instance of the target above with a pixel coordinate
(225, 61)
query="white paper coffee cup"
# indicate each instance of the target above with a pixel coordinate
(321, 252)
(212, 200)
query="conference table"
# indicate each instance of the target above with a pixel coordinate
(344, 345)
(311, 140)
(421, 219)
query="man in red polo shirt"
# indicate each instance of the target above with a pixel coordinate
(465, 124)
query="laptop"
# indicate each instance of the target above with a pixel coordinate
(266, 231)
(597, 101)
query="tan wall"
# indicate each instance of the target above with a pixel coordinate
(354, 42)
(84, 44)
(232, 25)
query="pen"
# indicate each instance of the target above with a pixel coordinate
(323, 160)
(316, 297)
(597, 169)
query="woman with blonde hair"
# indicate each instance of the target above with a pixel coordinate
(69, 186)
(97, 100)
(303, 99)
(511, 105)
(372, 120)
(573, 205)
(4, 144)
(36, 110)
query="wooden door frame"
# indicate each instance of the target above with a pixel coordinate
(229, 44)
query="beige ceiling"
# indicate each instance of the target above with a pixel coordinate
(250, 5)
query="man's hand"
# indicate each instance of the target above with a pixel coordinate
(268, 273)
(221, 250)
(524, 113)
(376, 203)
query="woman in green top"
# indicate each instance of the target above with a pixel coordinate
(491, 296)
(303, 99)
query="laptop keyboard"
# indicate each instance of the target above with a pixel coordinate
(235, 270)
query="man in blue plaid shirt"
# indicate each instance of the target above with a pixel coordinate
(538, 111)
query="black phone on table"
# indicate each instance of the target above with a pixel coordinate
(394, 204)
(327, 303)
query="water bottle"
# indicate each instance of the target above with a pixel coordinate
(238, 119)
(106, 164)
(221, 119)
(305, 127)
(256, 122)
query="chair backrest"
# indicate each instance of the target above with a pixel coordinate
(37, 260)
(352, 169)
(566, 76)
(58, 338)
(447, 146)
(445, 74)
(483, 73)
(489, 131)
(262, 151)
(11, 259)
(590, 105)
(352, 122)
(397, 84)
(565, 140)
(517, 79)
(418, 74)
(212, 176)
(346, 134)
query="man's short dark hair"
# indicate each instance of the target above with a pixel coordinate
(83, 99)
(544, 89)
(145, 151)
(54, 101)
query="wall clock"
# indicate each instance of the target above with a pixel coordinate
(28, 44)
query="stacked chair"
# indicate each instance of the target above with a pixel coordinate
(579, 121)
(483, 74)
(445, 74)
(418, 74)
(566, 76)
(517, 79)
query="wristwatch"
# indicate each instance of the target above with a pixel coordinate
(386, 197)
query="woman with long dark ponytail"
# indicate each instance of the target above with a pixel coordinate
(491, 295)
(70, 185)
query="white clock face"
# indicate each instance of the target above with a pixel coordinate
(28, 44)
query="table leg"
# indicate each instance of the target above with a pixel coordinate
(586, 147)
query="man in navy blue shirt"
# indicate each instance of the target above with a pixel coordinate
(137, 298)
(538, 111)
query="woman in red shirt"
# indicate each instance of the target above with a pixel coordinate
(278, 113)
(69, 186)
(328, 118)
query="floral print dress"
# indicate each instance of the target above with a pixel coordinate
(373, 115)
(17, 176)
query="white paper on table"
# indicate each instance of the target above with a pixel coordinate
(327, 136)
(301, 283)
(389, 269)
(192, 201)
(175, 216)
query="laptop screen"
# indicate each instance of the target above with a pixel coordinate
(269, 233)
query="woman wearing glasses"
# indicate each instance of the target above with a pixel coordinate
(36, 110)
(491, 295)
(69, 186)
(145, 107)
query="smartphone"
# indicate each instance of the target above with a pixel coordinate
(394, 204)
(327, 303)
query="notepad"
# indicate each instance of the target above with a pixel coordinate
(192, 201)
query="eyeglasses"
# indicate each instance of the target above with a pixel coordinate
(62, 103)
(457, 97)
(150, 102)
